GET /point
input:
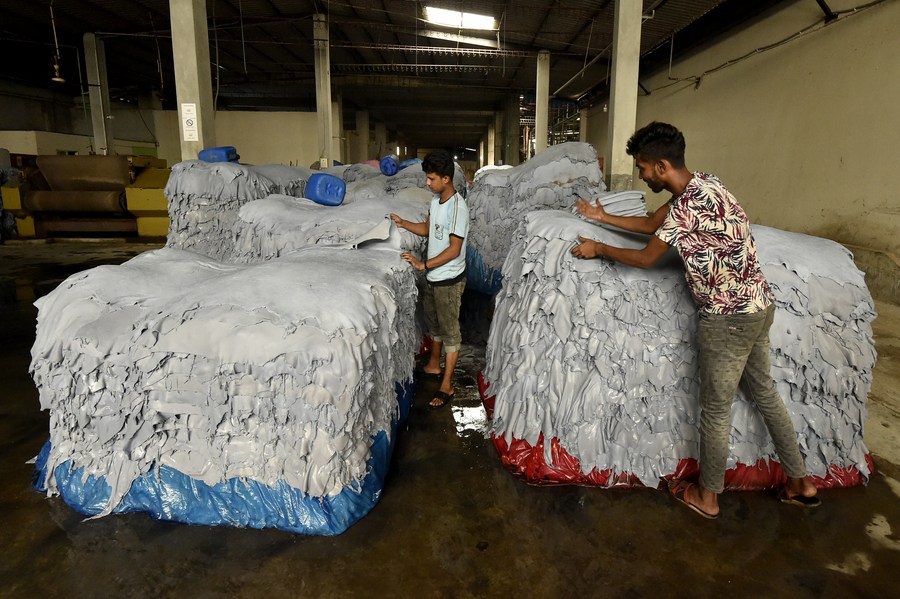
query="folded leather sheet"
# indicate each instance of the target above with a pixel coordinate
(555, 178)
(270, 227)
(205, 197)
(602, 357)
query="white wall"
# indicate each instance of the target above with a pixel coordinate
(805, 134)
(38, 121)
(44, 142)
(260, 137)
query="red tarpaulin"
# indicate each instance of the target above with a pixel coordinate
(527, 461)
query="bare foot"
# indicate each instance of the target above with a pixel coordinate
(800, 486)
(441, 397)
(433, 367)
(702, 501)
(705, 499)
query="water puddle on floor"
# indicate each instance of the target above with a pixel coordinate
(471, 421)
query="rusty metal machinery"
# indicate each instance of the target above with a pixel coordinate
(94, 195)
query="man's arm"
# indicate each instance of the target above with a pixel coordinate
(638, 224)
(449, 253)
(644, 258)
(420, 229)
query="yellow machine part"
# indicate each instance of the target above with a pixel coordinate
(12, 202)
(12, 198)
(146, 201)
(25, 227)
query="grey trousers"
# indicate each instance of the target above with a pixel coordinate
(442, 304)
(735, 347)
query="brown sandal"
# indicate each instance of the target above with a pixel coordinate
(444, 397)
(801, 500)
(680, 488)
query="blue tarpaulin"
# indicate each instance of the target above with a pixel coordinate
(167, 494)
(480, 276)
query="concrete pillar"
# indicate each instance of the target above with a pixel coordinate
(526, 141)
(98, 88)
(481, 161)
(323, 90)
(511, 131)
(193, 81)
(623, 93)
(337, 128)
(491, 145)
(362, 135)
(583, 125)
(499, 136)
(542, 100)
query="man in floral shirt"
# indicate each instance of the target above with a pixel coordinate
(711, 232)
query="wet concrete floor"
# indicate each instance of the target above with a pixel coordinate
(451, 521)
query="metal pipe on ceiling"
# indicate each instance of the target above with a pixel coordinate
(438, 50)
(582, 70)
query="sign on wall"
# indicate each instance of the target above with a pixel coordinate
(189, 122)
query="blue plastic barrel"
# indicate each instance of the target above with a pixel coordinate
(326, 189)
(410, 162)
(220, 154)
(390, 164)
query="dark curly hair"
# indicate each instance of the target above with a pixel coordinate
(439, 162)
(658, 141)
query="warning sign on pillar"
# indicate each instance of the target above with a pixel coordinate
(189, 122)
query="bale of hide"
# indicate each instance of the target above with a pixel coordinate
(262, 395)
(592, 365)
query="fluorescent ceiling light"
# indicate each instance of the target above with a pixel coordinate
(460, 20)
(457, 38)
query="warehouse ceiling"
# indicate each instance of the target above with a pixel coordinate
(432, 85)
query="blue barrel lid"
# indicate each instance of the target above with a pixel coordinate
(390, 164)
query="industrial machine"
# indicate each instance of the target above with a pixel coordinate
(90, 195)
(144, 197)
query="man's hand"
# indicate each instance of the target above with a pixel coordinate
(592, 211)
(586, 248)
(416, 263)
(397, 220)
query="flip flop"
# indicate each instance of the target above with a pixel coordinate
(800, 500)
(682, 487)
(444, 397)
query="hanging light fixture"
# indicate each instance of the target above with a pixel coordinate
(57, 78)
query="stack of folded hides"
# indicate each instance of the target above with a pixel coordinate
(555, 178)
(262, 395)
(592, 365)
(354, 173)
(278, 224)
(414, 177)
(252, 385)
(204, 199)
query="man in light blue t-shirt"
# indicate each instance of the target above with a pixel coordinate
(446, 227)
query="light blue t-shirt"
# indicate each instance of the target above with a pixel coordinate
(449, 218)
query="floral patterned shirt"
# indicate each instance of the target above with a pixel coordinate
(711, 232)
